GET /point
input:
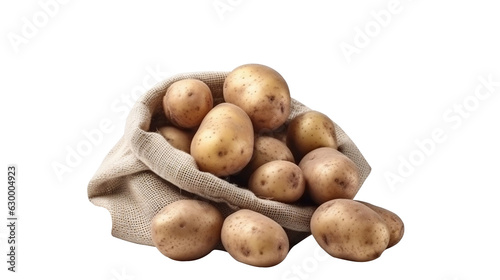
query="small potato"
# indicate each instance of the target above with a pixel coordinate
(393, 222)
(223, 144)
(278, 180)
(329, 174)
(186, 229)
(254, 239)
(308, 131)
(178, 138)
(349, 230)
(186, 102)
(266, 149)
(261, 92)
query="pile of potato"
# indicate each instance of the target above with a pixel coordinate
(246, 139)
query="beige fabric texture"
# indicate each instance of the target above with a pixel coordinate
(143, 173)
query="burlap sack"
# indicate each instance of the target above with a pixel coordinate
(143, 173)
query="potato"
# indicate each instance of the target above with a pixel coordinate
(186, 102)
(278, 180)
(393, 222)
(266, 149)
(223, 143)
(186, 229)
(349, 230)
(254, 239)
(261, 92)
(308, 131)
(329, 174)
(178, 138)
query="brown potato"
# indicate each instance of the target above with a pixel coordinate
(266, 149)
(329, 174)
(254, 239)
(349, 230)
(186, 102)
(308, 131)
(186, 229)
(261, 92)
(178, 138)
(223, 144)
(278, 180)
(393, 222)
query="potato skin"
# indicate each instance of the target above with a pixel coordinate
(178, 138)
(308, 131)
(254, 239)
(186, 229)
(223, 144)
(186, 102)
(278, 180)
(261, 92)
(329, 174)
(349, 230)
(393, 222)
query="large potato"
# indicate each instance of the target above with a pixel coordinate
(261, 92)
(186, 229)
(393, 222)
(349, 230)
(308, 131)
(329, 174)
(186, 102)
(278, 180)
(178, 138)
(223, 144)
(254, 239)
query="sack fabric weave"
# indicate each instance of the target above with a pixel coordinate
(143, 173)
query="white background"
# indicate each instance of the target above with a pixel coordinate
(409, 76)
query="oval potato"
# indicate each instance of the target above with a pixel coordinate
(266, 149)
(186, 229)
(178, 138)
(186, 102)
(308, 131)
(349, 230)
(329, 174)
(393, 222)
(278, 180)
(223, 144)
(261, 92)
(254, 239)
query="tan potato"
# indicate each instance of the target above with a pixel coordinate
(178, 138)
(308, 131)
(349, 230)
(186, 229)
(329, 174)
(266, 149)
(393, 222)
(186, 102)
(261, 92)
(254, 239)
(223, 144)
(278, 180)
